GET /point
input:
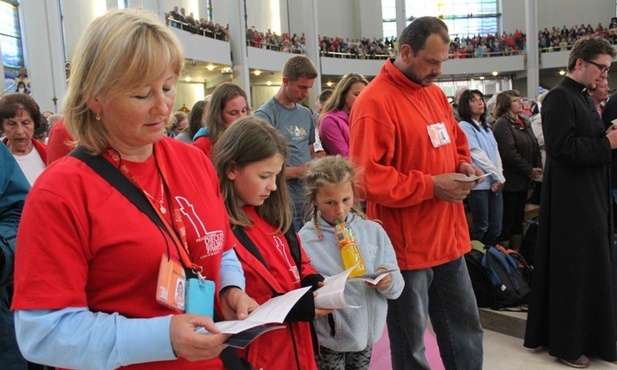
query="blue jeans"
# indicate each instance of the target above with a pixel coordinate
(486, 215)
(444, 292)
(10, 356)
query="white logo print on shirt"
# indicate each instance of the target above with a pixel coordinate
(292, 268)
(213, 239)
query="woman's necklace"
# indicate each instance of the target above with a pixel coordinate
(162, 200)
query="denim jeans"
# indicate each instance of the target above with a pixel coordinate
(486, 214)
(10, 356)
(444, 292)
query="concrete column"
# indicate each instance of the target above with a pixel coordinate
(401, 17)
(237, 41)
(312, 45)
(533, 56)
(44, 52)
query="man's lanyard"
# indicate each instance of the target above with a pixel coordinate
(177, 232)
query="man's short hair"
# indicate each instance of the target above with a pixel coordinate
(298, 67)
(587, 48)
(416, 33)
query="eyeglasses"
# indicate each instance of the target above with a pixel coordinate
(601, 67)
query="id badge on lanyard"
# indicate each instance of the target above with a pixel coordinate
(192, 295)
(181, 286)
(438, 134)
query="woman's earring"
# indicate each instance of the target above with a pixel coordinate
(98, 116)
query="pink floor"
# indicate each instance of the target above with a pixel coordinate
(381, 353)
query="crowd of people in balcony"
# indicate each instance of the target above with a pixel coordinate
(270, 40)
(206, 27)
(562, 39)
(478, 46)
(461, 47)
(363, 48)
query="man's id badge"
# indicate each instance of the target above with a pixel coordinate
(438, 134)
(171, 285)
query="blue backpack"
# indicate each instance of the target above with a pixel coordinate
(509, 287)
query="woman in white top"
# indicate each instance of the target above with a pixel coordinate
(20, 116)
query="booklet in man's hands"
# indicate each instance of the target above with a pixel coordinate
(471, 178)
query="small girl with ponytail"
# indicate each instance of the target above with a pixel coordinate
(346, 342)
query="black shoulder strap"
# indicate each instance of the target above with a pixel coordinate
(290, 236)
(247, 243)
(294, 247)
(115, 178)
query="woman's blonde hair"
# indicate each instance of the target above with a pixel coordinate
(118, 52)
(337, 99)
(247, 141)
(331, 170)
(222, 94)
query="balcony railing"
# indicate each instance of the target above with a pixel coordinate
(197, 30)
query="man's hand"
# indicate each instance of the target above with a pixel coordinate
(193, 346)
(471, 170)
(537, 172)
(236, 304)
(447, 188)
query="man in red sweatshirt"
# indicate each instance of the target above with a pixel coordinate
(417, 173)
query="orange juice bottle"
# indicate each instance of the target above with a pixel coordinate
(349, 249)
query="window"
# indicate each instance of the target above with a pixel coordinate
(463, 17)
(209, 9)
(10, 38)
(388, 13)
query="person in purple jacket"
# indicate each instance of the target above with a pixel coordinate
(334, 121)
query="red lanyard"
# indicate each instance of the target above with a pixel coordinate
(177, 232)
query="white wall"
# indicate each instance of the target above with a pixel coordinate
(261, 94)
(558, 12)
(337, 18)
(349, 18)
(77, 15)
(220, 12)
(45, 58)
(369, 19)
(264, 15)
(188, 94)
(203, 48)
